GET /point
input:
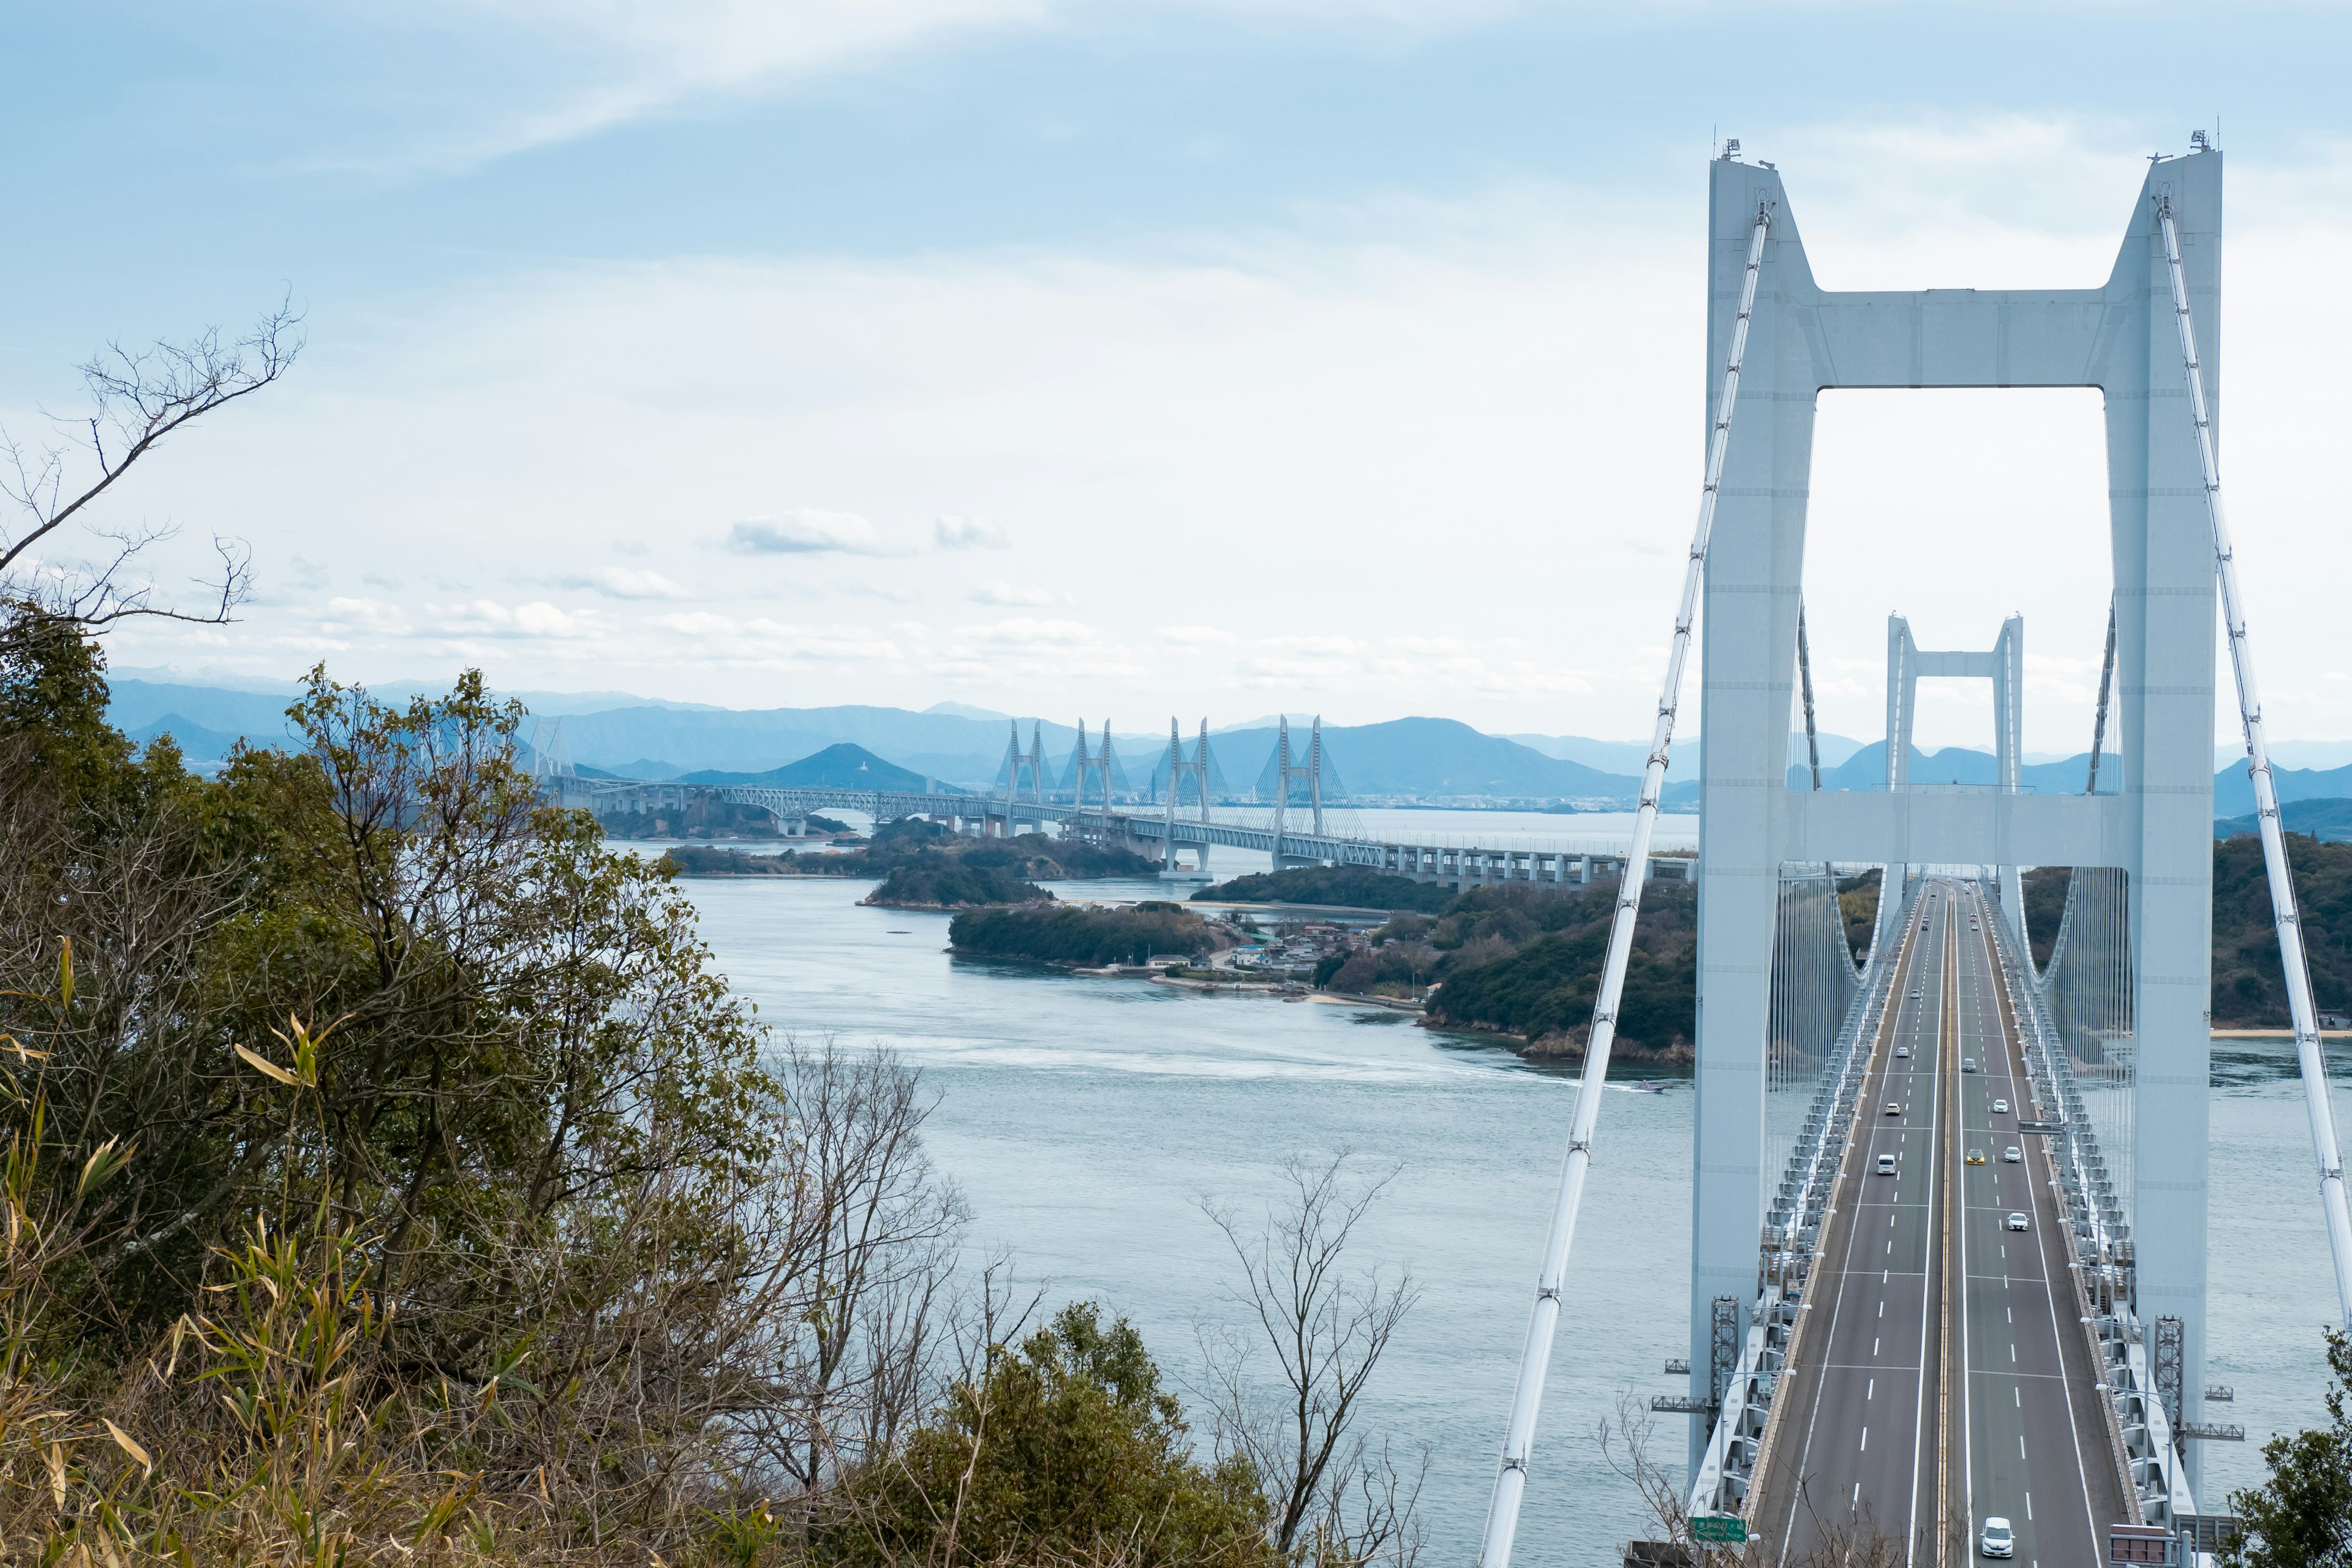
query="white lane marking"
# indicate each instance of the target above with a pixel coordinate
(1873, 1345)
(1866, 1440)
(1881, 1305)
(1871, 1391)
(2021, 1445)
(2029, 1508)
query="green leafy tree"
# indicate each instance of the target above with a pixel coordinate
(1069, 1450)
(2301, 1516)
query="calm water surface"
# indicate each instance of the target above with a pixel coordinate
(1086, 1119)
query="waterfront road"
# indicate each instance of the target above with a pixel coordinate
(2036, 1448)
(1862, 1459)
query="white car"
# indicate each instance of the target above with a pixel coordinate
(1892, 1108)
(2011, 1156)
(1902, 1051)
(1998, 1540)
(2000, 1108)
(2017, 1222)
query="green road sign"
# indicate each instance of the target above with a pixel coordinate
(1719, 1527)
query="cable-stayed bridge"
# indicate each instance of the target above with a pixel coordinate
(1948, 1273)
(1177, 814)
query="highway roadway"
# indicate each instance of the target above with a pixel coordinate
(1865, 1458)
(2037, 1451)
(1882, 1446)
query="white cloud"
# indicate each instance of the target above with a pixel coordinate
(1009, 594)
(379, 615)
(487, 617)
(1198, 636)
(1332, 646)
(968, 533)
(1022, 631)
(805, 530)
(1429, 646)
(639, 57)
(625, 582)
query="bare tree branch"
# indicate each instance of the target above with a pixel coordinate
(1331, 1494)
(139, 397)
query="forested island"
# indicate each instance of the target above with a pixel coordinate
(923, 866)
(1332, 887)
(1087, 935)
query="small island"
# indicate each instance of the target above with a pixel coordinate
(922, 866)
(1341, 887)
(1087, 935)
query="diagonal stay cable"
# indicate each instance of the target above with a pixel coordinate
(2266, 805)
(1535, 1357)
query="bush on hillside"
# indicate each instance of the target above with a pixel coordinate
(1070, 1451)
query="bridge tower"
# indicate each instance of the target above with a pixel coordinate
(1084, 765)
(1016, 765)
(1285, 769)
(2126, 338)
(1179, 769)
(2005, 668)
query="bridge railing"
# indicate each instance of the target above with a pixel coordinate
(2089, 962)
(1743, 1434)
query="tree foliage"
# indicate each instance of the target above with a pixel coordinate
(2301, 1515)
(1547, 987)
(1355, 887)
(373, 998)
(1069, 1450)
(1079, 933)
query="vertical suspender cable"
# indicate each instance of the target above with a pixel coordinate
(2266, 806)
(1535, 1358)
(2107, 684)
(1805, 678)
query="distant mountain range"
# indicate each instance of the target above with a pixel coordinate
(841, 766)
(960, 745)
(2328, 819)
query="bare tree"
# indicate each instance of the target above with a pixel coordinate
(875, 1232)
(137, 398)
(1336, 1498)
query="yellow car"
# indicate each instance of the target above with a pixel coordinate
(1975, 1156)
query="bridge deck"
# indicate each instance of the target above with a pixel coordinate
(1949, 1381)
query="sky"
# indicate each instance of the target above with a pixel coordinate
(1169, 356)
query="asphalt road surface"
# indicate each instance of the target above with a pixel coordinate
(2032, 1444)
(1865, 1458)
(2036, 1455)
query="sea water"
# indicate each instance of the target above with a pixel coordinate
(1089, 1121)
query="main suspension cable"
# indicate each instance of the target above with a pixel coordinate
(2284, 916)
(1535, 1358)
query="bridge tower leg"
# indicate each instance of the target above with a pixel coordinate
(1175, 778)
(1281, 782)
(2009, 720)
(1201, 772)
(2165, 609)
